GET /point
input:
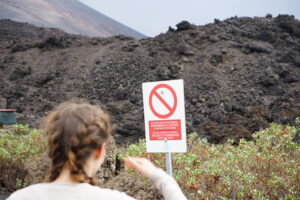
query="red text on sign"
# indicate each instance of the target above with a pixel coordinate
(165, 130)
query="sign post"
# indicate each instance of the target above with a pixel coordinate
(164, 114)
(169, 163)
(168, 158)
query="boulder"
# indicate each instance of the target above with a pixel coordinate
(185, 49)
(184, 25)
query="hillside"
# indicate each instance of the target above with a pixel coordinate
(240, 74)
(71, 16)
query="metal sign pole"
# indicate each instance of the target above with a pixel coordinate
(168, 158)
(169, 163)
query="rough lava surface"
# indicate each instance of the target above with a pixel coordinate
(239, 74)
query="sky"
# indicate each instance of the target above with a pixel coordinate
(152, 17)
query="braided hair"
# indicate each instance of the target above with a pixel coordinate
(75, 131)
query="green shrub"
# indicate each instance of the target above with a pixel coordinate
(265, 168)
(20, 129)
(21, 144)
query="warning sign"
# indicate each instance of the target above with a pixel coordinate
(165, 130)
(164, 116)
(171, 108)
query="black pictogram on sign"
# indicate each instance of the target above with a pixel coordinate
(171, 108)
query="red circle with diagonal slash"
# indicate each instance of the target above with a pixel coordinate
(170, 108)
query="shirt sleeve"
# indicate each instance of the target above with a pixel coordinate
(167, 186)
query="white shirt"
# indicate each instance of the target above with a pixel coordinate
(84, 191)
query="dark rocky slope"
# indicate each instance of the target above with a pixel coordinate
(240, 74)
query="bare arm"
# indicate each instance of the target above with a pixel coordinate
(162, 181)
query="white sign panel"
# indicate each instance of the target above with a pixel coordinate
(164, 116)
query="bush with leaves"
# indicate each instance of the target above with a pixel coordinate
(20, 129)
(265, 168)
(17, 147)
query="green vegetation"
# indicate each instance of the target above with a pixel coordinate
(21, 144)
(20, 183)
(19, 129)
(265, 168)
(18, 146)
